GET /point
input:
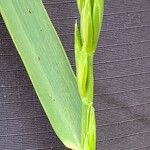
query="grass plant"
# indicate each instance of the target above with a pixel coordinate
(66, 98)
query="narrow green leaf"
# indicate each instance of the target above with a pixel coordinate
(82, 70)
(80, 4)
(90, 144)
(98, 10)
(77, 45)
(86, 27)
(47, 65)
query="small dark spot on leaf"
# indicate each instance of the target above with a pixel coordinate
(51, 98)
(29, 11)
(41, 30)
(39, 58)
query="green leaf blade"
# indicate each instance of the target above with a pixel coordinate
(47, 65)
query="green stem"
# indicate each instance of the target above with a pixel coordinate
(86, 39)
(88, 115)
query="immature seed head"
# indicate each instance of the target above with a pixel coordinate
(91, 13)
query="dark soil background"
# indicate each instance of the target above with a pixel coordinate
(122, 81)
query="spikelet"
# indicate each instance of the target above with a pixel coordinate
(91, 16)
(97, 17)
